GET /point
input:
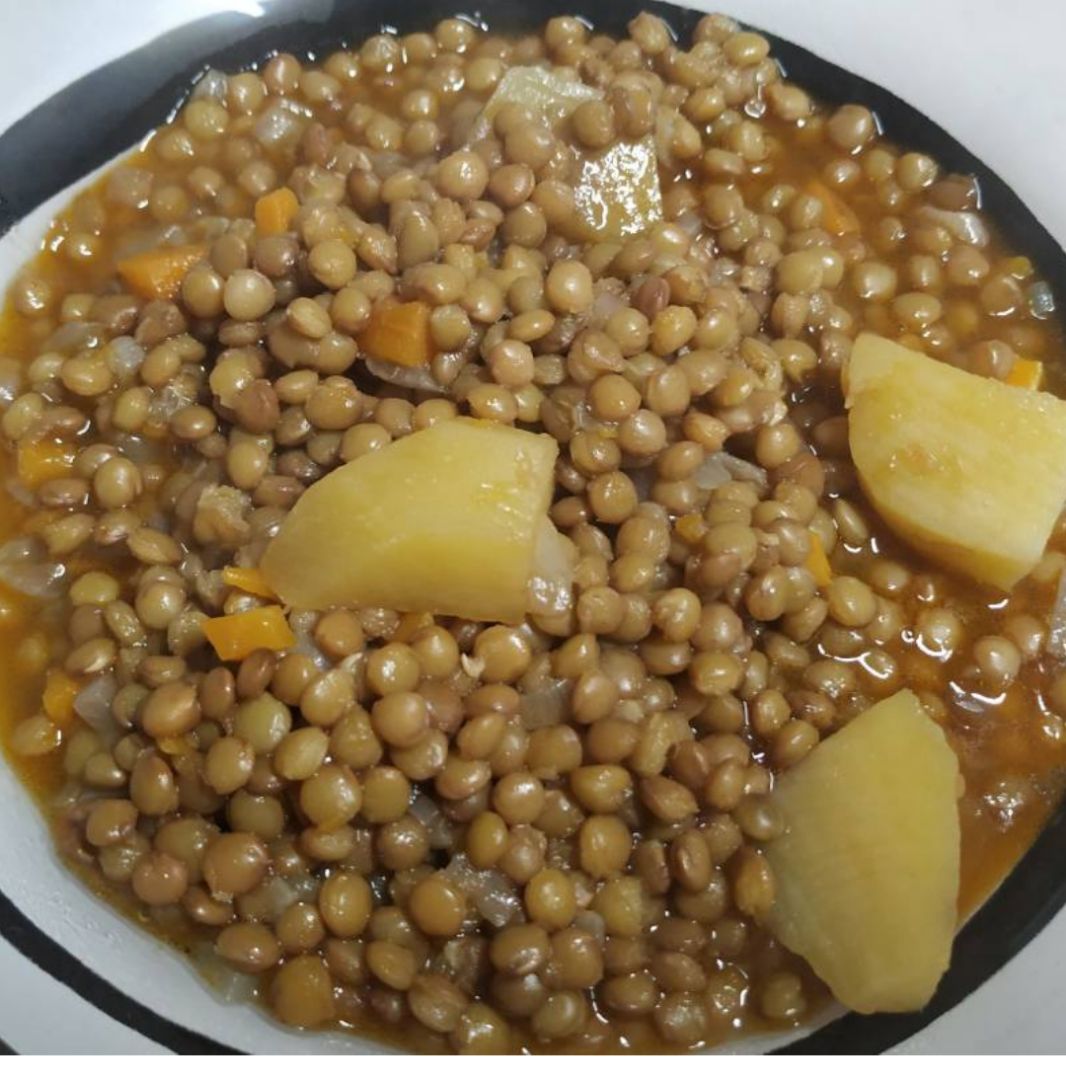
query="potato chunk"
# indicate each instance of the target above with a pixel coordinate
(451, 520)
(867, 870)
(968, 470)
(617, 191)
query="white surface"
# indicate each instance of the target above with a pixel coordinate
(987, 73)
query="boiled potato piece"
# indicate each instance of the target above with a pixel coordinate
(968, 470)
(617, 190)
(451, 520)
(551, 94)
(867, 870)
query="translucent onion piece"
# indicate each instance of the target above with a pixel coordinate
(24, 568)
(234, 987)
(93, 703)
(498, 902)
(386, 162)
(610, 297)
(303, 625)
(964, 225)
(411, 378)
(592, 922)
(494, 895)
(690, 222)
(279, 123)
(124, 356)
(439, 830)
(721, 467)
(279, 895)
(1041, 300)
(546, 706)
(549, 589)
(74, 336)
(211, 84)
(168, 401)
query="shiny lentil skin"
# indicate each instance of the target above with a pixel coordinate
(491, 838)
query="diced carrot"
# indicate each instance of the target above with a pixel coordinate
(236, 636)
(817, 562)
(691, 528)
(1028, 374)
(837, 216)
(275, 210)
(157, 274)
(248, 579)
(41, 461)
(398, 334)
(60, 690)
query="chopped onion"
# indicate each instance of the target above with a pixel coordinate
(1041, 300)
(439, 830)
(303, 625)
(70, 796)
(124, 356)
(546, 706)
(554, 557)
(493, 894)
(724, 271)
(1056, 642)
(964, 225)
(498, 900)
(424, 809)
(690, 222)
(93, 702)
(166, 402)
(231, 985)
(592, 922)
(24, 568)
(74, 336)
(720, 468)
(387, 162)
(462, 872)
(211, 84)
(610, 297)
(278, 895)
(280, 122)
(411, 378)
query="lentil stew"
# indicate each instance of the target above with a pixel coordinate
(382, 814)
